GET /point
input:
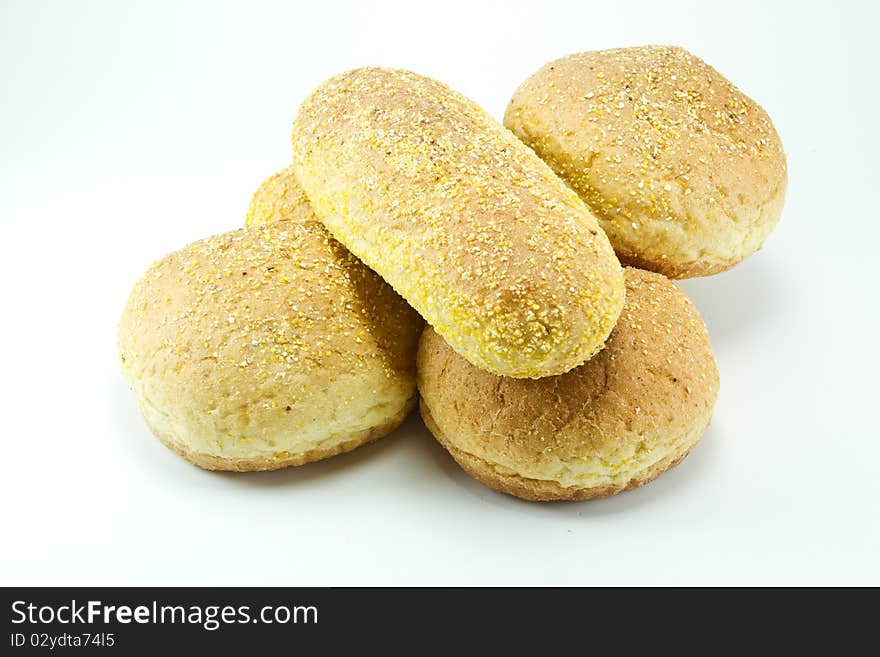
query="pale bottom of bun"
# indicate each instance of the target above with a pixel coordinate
(702, 262)
(680, 270)
(334, 445)
(540, 490)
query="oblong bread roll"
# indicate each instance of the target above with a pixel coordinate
(461, 218)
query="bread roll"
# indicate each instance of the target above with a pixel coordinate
(279, 198)
(268, 347)
(463, 220)
(623, 418)
(685, 172)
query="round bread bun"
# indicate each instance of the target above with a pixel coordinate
(623, 418)
(279, 198)
(268, 347)
(685, 172)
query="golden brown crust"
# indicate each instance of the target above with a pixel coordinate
(267, 340)
(286, 459)
(463, 220)
(617, 421)
(686, 174)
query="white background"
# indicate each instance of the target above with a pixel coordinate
(130, 129)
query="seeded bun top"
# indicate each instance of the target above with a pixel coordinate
(267, 346)
(685, 172)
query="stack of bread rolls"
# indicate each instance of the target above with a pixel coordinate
(416, 247)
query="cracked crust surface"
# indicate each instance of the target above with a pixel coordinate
(686, 174)
(616, 422)
(541, 490)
